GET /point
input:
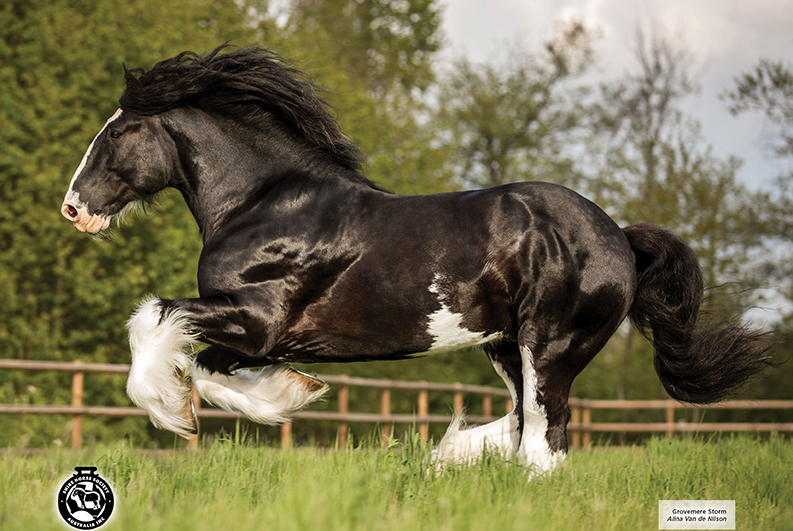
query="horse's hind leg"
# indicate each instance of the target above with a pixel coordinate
(549, 368)
(546, 387)
(501, 436)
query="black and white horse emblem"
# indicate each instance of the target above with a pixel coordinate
(85, 500)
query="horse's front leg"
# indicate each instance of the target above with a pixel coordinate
(159, 379)
(161, 374)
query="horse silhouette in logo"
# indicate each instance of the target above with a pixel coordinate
(84, 503)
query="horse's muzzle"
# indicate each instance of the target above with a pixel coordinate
(83, 221)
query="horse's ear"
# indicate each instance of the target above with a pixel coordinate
(132, 81)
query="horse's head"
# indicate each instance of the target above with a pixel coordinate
(131, 159)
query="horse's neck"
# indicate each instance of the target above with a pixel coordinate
(227, 166)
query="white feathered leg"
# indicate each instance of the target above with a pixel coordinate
(466, 446)
(268, 396)
(159, 379)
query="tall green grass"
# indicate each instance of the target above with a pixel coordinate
(238, 486)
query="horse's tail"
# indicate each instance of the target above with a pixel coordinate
(697, 362)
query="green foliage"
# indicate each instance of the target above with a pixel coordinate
(767, 88)
(66, 296)
(362, 488)
(382, 43)
(515, 121)
(652, 164)
(376, 56)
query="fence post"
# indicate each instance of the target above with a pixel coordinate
(424, 408)
(510, 405)
(286, 434)
(458, 399)
(576, 435)
(670, 418)
(344, 408)
(77, 401)
(587, 426)
(192, 443)
(385, 410)
(487, 405)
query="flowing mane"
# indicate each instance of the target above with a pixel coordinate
(241, 83)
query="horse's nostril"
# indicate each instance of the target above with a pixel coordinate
(71, 211)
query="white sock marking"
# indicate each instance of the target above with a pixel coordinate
(466, 446)
(534, 450)
(159, 377)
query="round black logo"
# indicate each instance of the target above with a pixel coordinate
(85, 501)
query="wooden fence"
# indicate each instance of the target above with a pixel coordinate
(581, 426)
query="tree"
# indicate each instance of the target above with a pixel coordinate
(377, 57)
(379, 42)
(650, 163)
(768, 88)
(64, 295)
(513, 121)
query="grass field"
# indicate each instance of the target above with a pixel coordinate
(238, 487)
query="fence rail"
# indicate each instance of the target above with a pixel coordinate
(581, 426)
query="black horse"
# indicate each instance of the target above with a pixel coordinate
(305, 260)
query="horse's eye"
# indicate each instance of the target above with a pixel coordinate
(115, 134)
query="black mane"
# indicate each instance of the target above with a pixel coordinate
(240, 83)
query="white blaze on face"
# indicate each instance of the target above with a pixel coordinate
(83, 221)
(446, 327)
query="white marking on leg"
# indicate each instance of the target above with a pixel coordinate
(508, 381)
(268, 396)
(467, 446)
(534, 450)
(446, 327)
(160, 374)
